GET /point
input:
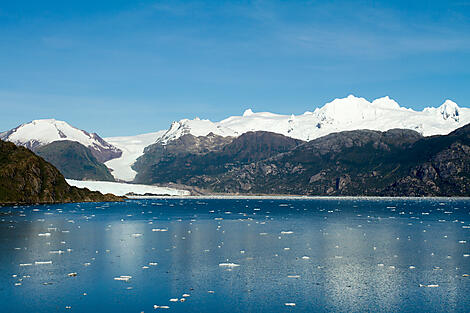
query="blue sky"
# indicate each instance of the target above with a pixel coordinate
(128, 67)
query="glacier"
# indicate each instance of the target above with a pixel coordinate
(121, 189)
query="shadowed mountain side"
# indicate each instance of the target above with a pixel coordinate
(164, 163)
(27, 178)
(74, 161)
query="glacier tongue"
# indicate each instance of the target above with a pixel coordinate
(132, 148)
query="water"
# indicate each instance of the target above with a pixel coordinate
(323, 255)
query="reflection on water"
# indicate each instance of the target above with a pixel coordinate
(321, 255)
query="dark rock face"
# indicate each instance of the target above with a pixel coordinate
(196, 160)
(27, 178)
(74, 161)
(105, 153)
(160, 160)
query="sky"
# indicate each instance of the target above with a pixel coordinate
(128, 67)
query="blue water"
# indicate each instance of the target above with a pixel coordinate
(323, 255)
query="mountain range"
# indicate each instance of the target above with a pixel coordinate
(241, 154)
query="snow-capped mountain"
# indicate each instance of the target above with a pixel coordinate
(42, 132)
(195, 127)
(349, 113)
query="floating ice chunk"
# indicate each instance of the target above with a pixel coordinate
(42, 262)
(230, 265)
(56, 252)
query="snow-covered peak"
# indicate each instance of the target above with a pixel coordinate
(248, 112)
(386, 103)
(449, 110)
(353, 109)
(196, 127)
(45, 131)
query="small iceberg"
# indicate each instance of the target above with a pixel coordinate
(230, 265)
(123, 278)
(429, 286)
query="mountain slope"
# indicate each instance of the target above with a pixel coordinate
(42, 132)
(74, 161)
(163, 162)
(27, 178)
(397, 162)
(182, 162)
(360, 163)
